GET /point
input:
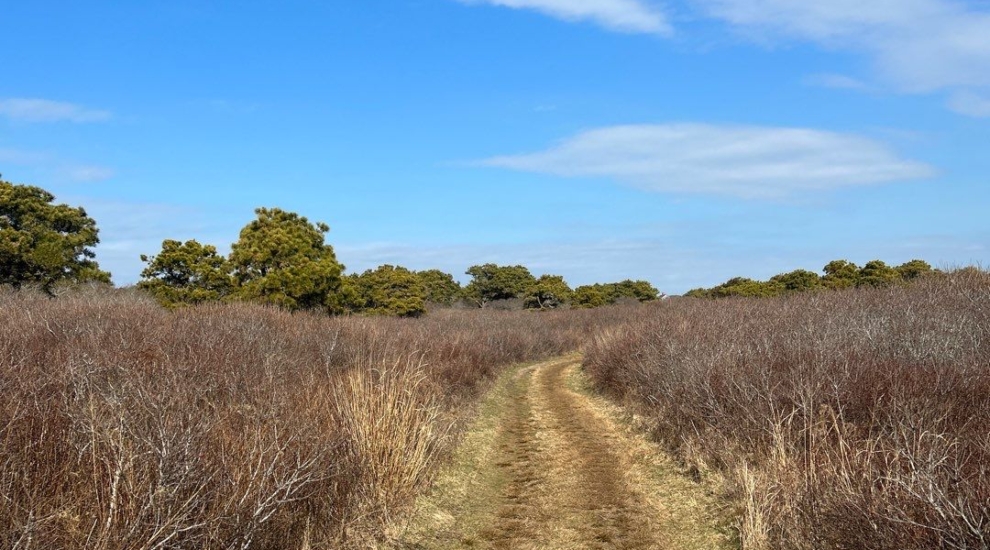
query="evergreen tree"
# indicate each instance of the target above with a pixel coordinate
(914, 269)
(877, 274)
(491, 282)
(840, 274)
(186, 273)
(281, 259)
(44, 243)
(589, 296)
(548, 292)
(390, 290)
(441, 288)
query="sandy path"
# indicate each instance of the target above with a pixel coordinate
(551, 467)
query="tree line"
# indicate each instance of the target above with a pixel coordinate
(836, 275)
(280, 258)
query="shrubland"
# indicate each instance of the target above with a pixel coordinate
(849, 419)
(844, 410)
(235, 425)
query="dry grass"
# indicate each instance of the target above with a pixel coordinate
(548, 466)
(687, 514)
(840, 420)
(234, 426)
(853, 419)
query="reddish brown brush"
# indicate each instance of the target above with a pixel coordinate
(123, 426)
(854, 419)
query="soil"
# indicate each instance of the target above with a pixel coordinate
(550, 466)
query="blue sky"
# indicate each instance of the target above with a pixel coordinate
(682, 142)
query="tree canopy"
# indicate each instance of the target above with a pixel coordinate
(742, 286)
(44, 243)
(548, 292)
(589, 296)
(440, 287)
(640, 290)
(186, 273)
(281, 258)
(388, 290)
(597, 295)
(838, 275)
(490, 282)
(914, 269)
(877, 274)
(798, 280)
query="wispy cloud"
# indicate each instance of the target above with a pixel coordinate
(743, 161)
(88, 173)
(632, 16)
(45, 110)
(968, 103)
(661, 261)
(836, 81)
(916, 46)
(52, 167)
(129, 229)
(20, 156)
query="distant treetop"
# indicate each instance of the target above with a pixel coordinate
(838, 275)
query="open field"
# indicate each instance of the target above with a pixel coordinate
(495, 274)
(856, 419)
(234, 426)
(852, 419)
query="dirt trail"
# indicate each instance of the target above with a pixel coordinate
(549, 467)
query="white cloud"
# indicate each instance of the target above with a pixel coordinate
(50, 167)
(88, 173)
(44, 110)
(633, 16)
(19, 156)
(837, 81)
(916, 45)
(663, 261)
(129, 229)
(743, 161)
(968, 103)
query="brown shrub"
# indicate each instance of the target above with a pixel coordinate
(855, 419)
(233, 426)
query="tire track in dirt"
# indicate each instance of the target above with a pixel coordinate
(520, 516)
(565, 487)
(551, 467)
(603, 509)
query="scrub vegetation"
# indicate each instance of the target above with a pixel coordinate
(281, 259)
(126, 425)
(853, 419)
(269, 400)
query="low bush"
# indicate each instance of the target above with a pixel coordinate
(852, 419)
(126, 426)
